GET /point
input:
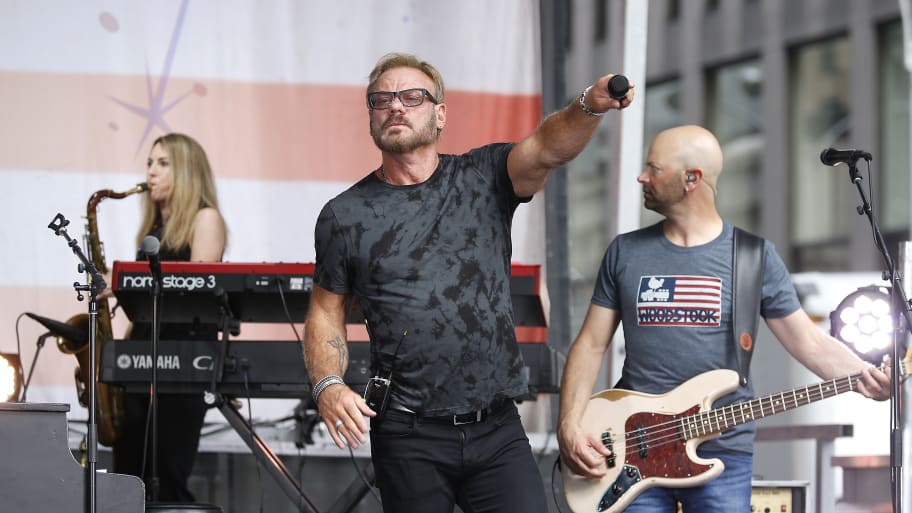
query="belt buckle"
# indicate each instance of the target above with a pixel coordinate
(478, 415)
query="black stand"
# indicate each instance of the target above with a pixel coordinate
(95, 285)
(28, 379)
(355, 491)
(229, 325)
(265, 455)
(154, 484)
(901, 312)
(258, 447)
(283, 478)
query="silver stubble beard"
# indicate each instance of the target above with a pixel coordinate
(426, 135)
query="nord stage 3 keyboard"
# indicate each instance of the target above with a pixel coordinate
(195, 293)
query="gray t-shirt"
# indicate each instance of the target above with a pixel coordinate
(432, 260)
(675, 305)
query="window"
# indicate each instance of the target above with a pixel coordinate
(663, 110)
(601, 20)
(733, 103)
(674, 10)
(589, 208)
(892, 168)
(822, 201)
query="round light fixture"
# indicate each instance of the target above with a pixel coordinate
(863, 321)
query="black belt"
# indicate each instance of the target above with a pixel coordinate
(458, 419)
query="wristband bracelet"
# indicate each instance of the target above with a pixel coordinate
(582, 104)
(324, 383)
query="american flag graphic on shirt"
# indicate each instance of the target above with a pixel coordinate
(679, 301)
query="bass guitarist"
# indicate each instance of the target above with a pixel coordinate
(670, 286)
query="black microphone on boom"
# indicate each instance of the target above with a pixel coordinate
(62, 329)
(618, 86)
(832, 156)
(150, 247)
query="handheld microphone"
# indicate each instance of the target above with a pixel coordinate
(618, 86)
(150, 247)
(832, 156)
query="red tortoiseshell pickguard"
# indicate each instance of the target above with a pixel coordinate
(665, 459)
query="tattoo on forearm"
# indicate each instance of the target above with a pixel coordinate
(338, 343)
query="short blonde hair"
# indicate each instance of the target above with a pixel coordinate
(404, 60)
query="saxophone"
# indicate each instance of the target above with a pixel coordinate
(109, 398)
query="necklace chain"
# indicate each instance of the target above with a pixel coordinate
(383, 175)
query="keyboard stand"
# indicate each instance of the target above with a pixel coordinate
(258, 447)
(356, 491)
(266, 456)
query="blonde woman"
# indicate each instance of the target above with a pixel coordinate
(181, 210)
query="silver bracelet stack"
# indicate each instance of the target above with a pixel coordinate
(324, 383)
(582, 102)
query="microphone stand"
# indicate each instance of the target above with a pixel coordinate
(28, 379)
(902, 320)
(95, 284)
(153, 389)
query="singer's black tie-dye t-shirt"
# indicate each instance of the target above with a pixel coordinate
(432, 260)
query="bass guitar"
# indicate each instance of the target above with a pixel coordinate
(654, 438)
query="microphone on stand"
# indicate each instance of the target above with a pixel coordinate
(150, 247)
(832, 156)
(62, 329)
(78, 337)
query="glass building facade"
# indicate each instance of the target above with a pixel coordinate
(777, 82)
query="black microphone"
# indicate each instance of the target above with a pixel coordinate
(62, 329)
(832, 156)
(150, 247)
(618, 86)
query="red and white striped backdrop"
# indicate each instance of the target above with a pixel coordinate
(273, 90)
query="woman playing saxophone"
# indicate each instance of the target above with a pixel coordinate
(181, 210)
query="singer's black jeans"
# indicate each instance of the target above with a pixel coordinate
(484, 467)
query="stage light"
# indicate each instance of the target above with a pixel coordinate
(10, 378)
(864, 323)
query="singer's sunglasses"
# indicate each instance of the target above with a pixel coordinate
(381, 100)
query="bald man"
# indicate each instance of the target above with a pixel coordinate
(668, 341)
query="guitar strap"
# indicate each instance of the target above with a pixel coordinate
(747, 291)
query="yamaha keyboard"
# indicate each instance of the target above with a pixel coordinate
(265, 368)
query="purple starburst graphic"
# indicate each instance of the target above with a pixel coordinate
(156, 108)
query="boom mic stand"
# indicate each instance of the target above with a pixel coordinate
(28, 379)
(95, 284)
(899, 304)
